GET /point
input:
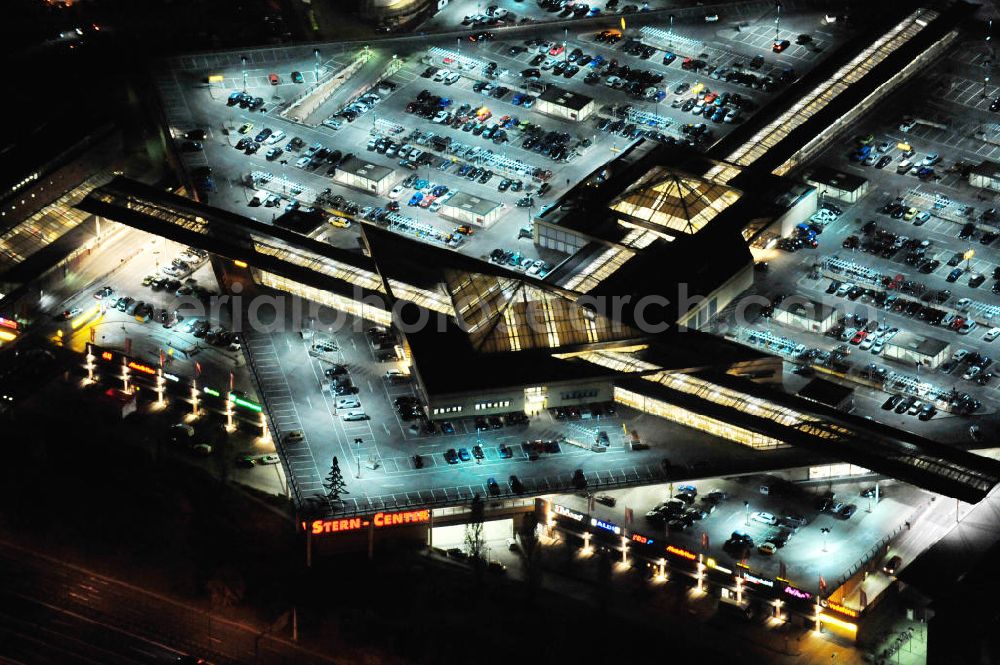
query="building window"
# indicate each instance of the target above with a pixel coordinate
(578, 394)
(447, 409)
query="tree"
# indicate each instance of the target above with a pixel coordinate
(531, 549)
(335, 484)
(475, 541)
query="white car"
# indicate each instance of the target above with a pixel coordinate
(548, 63)
(274, 138)
(967, 327)
(991, 334)
(396, 191)
(302, 162)
(452, 78)
(907, 125)
(355, 415)
(440, 117)
(439, 77)
(348, 403)
(877, 346)
(434, 207)
(268, 459)
(867, 343)
(535, 267)
(764, 518)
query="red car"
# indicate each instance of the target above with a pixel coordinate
(274, 79)
(557, 49)
(859, 337)
(780, 45)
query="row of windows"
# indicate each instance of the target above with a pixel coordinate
(447, 409)
(578, 394)
(482, 406)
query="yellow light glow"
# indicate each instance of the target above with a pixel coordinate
(86, 316)
(846, 625)
(7, 336)
(240, 264)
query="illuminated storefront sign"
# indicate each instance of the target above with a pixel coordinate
(9, 323)
(171, 377)
(377, 521)
(246, 404)
(681, 553)
(840, 623)
(139, 367)
(797, 593)
(641, 539)
(211, 391)
(837, 607)
(753, 579)
(566, 512)
(607, 526)
(107, 355)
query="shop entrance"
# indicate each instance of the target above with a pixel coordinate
(535, 400)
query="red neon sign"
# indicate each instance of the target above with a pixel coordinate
(106, 355)
(639, 538)
(8, 323)
(139, 367)
(681, 553)
(378, 521)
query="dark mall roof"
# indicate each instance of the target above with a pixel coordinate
(924, 346)
(566, 99)
(831, 177)
(827, 392)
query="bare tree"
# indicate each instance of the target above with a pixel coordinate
(335, 485)
(475, 541)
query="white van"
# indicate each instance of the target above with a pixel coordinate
(259, 198)
(355, 415)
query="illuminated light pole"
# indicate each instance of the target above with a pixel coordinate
(265, 433)
(819, 610)
(739, 590)
(125, 388)
(662, 574)
(967, 255)
(243, 59)
(624, 550)
(670, 34)
(160, 387)
(777, 609)
(90, 363)
(746, 505)
(229, 413)
(586, 543)
(701, 573)
(194, 399)
(825, 531)
(316, 55)
(358, 442)
(777, 20)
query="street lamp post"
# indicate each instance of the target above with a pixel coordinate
(825, 531)
(316, 55)
(670, 33)
(243, 59)
(777, 21)
(746, 505)
(358, 442)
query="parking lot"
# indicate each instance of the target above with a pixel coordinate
(788, 512)
(919, 251)
(482, 133)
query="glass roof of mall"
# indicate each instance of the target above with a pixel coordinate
(818, 98)
(670, 203)
(47, 224)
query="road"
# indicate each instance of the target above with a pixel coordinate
(54, 612)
